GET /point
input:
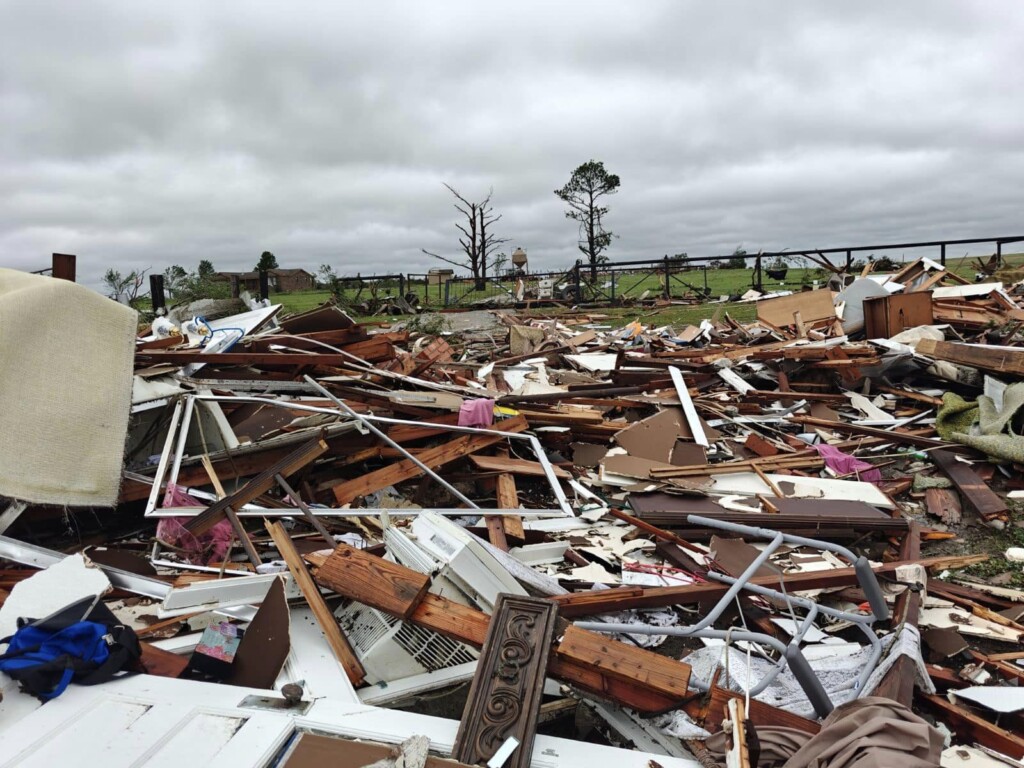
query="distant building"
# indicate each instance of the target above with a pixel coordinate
(281, 280)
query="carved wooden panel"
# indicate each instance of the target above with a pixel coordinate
(506, 692)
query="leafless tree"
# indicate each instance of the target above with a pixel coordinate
(477, 242)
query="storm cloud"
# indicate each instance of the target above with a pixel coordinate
(143, 135)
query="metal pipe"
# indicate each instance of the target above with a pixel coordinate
(538, 450)
(380, 434)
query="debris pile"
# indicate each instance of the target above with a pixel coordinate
(490, 538)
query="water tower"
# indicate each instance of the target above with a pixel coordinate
(519, 260)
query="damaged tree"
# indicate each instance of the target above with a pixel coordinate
(478, 242)
(127, 287)
(587, 185)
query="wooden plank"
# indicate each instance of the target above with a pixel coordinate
(245, 358)
(515, 466)
(709, 708)
(898, 682)
(970, 728)
(470, 625)
(906, 438)
(259, 485)
(496, 532)
(406, 433)
(944, 504)
(504, 698)
(437, 456)
(373, 580)
(974, 491)
(324, 616)
(618, 660)
(579, 604)
(508, 498)
(995, 359)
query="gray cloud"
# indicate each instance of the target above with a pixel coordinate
(145, 136)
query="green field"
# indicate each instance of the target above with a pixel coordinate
(684, 285)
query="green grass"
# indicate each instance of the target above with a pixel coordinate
(718, 282)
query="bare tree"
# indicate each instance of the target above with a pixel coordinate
(127, 288)
(477, 242)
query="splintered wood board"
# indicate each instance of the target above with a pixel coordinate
(373, 580)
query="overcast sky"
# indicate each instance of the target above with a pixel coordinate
(143, 134)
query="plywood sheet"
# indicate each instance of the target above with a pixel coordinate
(812, 306)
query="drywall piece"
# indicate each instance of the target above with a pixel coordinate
(627, 466)
(540, 554)
(652, 438)
(969, 757)
(594, 361)
(731, 378)
(965, 291)
(998, 698)
(68, 581)
(594, 573)
(813, 634)
(265, 645)
(587, 454)
(221, 593)
(967, 624)
(692, 419)
(749, 484)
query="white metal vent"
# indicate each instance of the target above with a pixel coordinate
(390, 649)
(430, 649)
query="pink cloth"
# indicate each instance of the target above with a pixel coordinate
(844, 463)
(211, 547)
(476, 413)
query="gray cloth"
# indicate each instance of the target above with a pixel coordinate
(872, 732)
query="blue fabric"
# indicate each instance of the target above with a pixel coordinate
(80, 645)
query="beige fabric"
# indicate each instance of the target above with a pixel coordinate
(66, 356)
(873, 732)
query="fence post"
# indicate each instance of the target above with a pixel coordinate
(999, 252)
(579, 281)
(401, 285)
(447, 291)
(758, 280)
(63, 266)
(611, 273)
(668, 276)
(156, 294)
(849, 260)
(264, 285)
(235, 287)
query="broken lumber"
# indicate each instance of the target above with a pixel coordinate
(434, 457)
(325, 618)
(373, 580)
